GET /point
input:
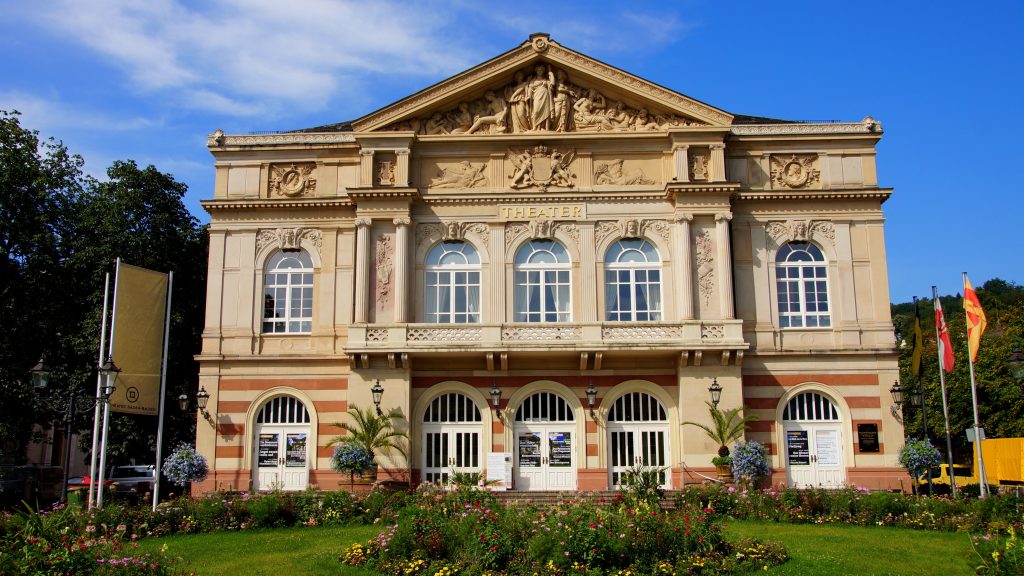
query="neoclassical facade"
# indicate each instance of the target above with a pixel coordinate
(490, 248)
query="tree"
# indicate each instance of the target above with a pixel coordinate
(726, 426)
(372, 432)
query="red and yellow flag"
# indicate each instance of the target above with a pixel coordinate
(946, 358)
(976, 321)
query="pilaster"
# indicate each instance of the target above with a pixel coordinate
(680, 154)
(717, 163)
(402, 263)
(362, 291)
(684, 266)
(724, 264)
(366, 168)
(588, 302)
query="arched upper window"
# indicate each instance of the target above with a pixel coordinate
(802, 279)
(542, 279)
(809, 407)
(452, 408)
(288, 293)
(632, 281)
(451, 284)
(283, 410)
(544, 407)
(637, 407)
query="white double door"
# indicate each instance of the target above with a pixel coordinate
(814, 455)
(545, 457)
(450, 448)
(281, 458)
(638, 446)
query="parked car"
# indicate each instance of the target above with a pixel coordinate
(132, 481)
(38, 486)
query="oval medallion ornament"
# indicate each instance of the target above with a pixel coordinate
(795, 171)
(293, 180)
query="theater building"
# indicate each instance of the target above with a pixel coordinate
(536, 227)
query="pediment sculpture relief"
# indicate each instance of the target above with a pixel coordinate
(542, 100)
(614, 172)
(293, 180)
(797, 171)
(464, 175)
(542, 167)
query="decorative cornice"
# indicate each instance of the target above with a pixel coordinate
(218, 205)
(861, 194)
(866, 126)
(221, 140)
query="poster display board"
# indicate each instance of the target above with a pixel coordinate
(295, 451)
(867, 437)
(826, 443)
(499, 470)
(560, 449)
(797, 448)
(267, 454)
(529, 450)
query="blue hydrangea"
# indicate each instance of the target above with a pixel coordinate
(351, 459)
(749, 461)
(185, 465)
(917, 456)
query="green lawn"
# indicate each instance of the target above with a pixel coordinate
(814, 550)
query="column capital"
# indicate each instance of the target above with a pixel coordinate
(363, 222)
(723, 217)
(680, 146)
(684, 217)
(718, 146)
(402, 152)
(366, 151)
(402, 221)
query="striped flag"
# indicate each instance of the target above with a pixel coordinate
(976, 321)
(946, 358)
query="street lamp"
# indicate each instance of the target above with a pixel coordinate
(897, 392)
(1016, 362)
(716, 392)
(591, 393)
(495, 393)
(40, 373)
(41, 379)
(109, 371)
(378, 392)
(916, 396)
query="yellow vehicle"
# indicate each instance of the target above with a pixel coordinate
(1004, 465)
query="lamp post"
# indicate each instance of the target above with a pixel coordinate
(108, 372)
(591, 393)
(378, 392)
(1016, 362)
(495, 394)
(716, 392)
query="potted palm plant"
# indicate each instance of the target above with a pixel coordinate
(726, 426)
(372, 433)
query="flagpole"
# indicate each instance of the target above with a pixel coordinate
(982, 481)
(106, 402)
(945, 405)
(163, 391)
(99, 383)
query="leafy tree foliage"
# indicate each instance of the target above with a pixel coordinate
(60, 233)
(1000, 396)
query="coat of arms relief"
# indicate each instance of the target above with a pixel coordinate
(542, 167)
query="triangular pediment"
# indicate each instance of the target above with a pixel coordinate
(542, 86)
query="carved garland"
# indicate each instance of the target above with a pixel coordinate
(705, 266)
(288, 238)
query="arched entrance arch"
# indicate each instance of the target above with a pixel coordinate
(638, 436)
(812, 426)
(452, 433)
(281, 445)
(544, 431)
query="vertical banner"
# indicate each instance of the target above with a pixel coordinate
(138, 339)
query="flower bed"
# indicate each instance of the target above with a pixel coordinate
(469, 532)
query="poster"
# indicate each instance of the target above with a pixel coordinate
(797, 448)
(295, 451)
(826, 443)
(529, 450)
(267, 451)
(560, 449)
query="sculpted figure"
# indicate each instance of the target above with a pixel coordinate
(542, 105)
(643, 122)
(614, 173)
(560, 175)
(436, 125)
(587, 116)
(465, 175)
(519, 105)
(617, 116)
(523, 176)
(461, 119)
(498, 110)
(563, 104)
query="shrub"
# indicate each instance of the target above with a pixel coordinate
(644, 483)
(185, 465)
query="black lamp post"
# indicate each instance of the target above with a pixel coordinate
(716, 392)
(41, 379)
(495, 393)
(378, 392)
(591, 393)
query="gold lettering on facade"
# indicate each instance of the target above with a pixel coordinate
(550, 211)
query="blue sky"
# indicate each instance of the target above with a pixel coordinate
(148, 80)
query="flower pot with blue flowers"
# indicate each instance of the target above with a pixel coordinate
(352, 460)
(370, 433)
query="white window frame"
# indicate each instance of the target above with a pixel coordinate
(554, 276)
(621, 260)
(456, 277)
(293, 291)
(798, 319)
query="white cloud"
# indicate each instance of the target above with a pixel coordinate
(51, 114)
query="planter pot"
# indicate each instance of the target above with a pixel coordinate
(724, 473)
(369, 476)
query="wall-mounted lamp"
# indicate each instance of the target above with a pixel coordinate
(716, 392)
(495, 393)
(897, 392)
(378, 392)
(591, 393)
(202, 398)
(109, 371)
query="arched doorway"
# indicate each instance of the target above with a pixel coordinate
(452, 427)
(637, 435)
(282, 435)
(545, 454)
(813, 432)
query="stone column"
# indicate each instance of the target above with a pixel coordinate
(680, 153)
(684, 259)
(717, 163)
(362, 298)
(402, 268)
(724, 263)
(366, 168)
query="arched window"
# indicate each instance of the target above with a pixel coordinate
(543, 288)
(288, 293)
(810, 407)
(452, 284)
(283, 410)
(632, 281)
(802, 279)
(544, 407)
